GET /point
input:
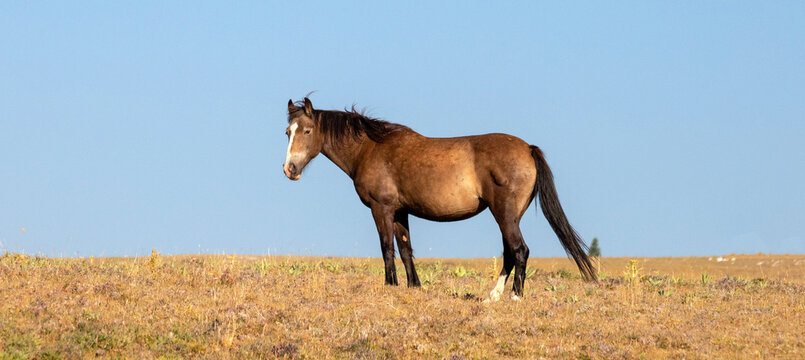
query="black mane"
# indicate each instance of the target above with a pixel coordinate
(337, 125)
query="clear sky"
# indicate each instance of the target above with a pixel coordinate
(672, 129)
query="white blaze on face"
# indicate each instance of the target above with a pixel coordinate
(292, 130)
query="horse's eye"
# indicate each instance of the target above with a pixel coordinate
(307, 131)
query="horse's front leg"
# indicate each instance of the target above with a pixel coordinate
(404, 245)
(384, 220)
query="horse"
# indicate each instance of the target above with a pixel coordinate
(397, 173)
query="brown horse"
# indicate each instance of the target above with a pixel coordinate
(398, 172)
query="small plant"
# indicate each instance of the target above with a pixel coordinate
(459, 271)
(494, 269)
(530, 272)
(153, 261)
(706, 278)
(262, 267)
(760, 282)
(427, 278)
(297, 268)
(632, 272)
(687, 298)
(654, 281)
(665, 292)
(332, 266)
(564, 274)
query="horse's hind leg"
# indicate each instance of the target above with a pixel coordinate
(515, 251)
(508, 265)
(404, 245)
(519, 250)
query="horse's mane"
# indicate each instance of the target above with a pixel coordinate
(338, 125)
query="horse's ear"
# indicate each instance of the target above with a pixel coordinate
(290, 105)
(308, 107)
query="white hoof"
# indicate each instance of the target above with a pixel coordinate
(516, 298)
(494, 295)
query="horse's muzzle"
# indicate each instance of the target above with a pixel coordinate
(291, 171)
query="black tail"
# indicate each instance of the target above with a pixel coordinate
(549, 201)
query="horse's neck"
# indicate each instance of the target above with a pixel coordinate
(344, 153)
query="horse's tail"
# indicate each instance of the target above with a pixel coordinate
(552, 209)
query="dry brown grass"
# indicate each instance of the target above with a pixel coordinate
(305, 307)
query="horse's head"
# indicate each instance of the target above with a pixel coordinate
(304, 139)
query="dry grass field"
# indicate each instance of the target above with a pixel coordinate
(732, 307)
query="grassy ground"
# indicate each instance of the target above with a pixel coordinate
(315, 308)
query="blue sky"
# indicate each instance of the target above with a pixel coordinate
(672, 129)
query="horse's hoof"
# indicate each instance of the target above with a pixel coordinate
(516, 298)
(494, 296)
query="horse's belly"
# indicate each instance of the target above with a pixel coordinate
(452, 200)
(448, 213)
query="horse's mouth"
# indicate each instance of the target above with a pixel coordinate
(289, 176)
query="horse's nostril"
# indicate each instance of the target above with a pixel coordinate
(292, 167)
